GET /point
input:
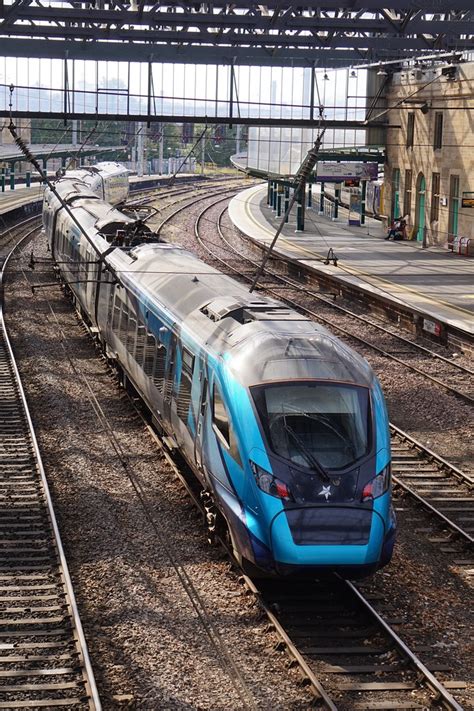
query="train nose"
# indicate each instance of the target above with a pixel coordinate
(327, 534)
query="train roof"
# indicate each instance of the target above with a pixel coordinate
(266, 340)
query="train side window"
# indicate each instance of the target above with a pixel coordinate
(203, 394)
(140, 342)
(185, 386)
(150, 348)
(220, 419)
(124, 324)
(131, 332)
(223, 426)
(116, 314)
(160, 366)
(188, 362)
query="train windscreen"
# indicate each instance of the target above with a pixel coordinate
(315, 424)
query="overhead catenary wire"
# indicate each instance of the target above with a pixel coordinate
(34, 161)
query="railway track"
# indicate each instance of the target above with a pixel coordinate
(43, 653)
(341, 641)
(10, 236)
(445, 372)
(439, 486)
(342, 638)
(331, 629)
(180, 189)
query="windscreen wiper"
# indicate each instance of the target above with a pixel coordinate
(309, 455)
(323, 418)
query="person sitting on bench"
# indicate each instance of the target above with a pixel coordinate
(397, 230)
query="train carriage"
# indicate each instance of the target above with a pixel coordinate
(284, 425)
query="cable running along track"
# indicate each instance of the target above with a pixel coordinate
(43, 653)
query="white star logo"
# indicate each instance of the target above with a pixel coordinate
(325, 491)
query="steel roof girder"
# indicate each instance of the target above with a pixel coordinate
(117, 51)
(434, 6)
(333, 41)
(151, 19)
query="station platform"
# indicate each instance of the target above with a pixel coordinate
(11, 200)
(19, 197)
(430, 282)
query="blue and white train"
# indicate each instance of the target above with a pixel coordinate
(284, 426)
(108, 180)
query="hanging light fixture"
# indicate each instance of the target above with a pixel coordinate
(382, 72)
(326, 77)
(353, 74)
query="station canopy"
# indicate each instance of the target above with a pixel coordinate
(323, 34)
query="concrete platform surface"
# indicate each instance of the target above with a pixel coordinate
(21, 195)
(432, 281)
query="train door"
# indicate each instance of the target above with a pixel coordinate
(200, 418)
(89, 274)
(169, 378)
(420, 207)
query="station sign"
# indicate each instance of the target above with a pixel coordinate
(331, 172)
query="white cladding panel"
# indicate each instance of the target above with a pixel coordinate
(281, 150)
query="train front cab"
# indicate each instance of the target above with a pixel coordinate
(294, 505)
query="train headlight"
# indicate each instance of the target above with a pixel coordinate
(270, 484)
(377, 486)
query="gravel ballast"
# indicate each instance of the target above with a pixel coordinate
(150, 646)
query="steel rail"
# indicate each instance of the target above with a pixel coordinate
(197, 601)
(77, 633)
(448, 521)
(289, 645)
(448, 701)
(363, 320)
(330, 323)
